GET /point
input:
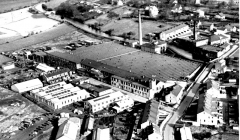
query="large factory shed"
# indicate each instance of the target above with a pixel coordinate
(27, 85)
(133, 61)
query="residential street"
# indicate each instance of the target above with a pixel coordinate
(168, 131)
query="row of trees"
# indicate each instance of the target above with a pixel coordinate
(79, 13)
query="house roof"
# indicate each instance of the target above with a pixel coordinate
(169, 30)
(150, 45)
(224, 45)
(214, 38)
(67, 129)
(57, 72)
(211, 48)
(176, 90)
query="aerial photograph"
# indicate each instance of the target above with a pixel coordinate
(119, 70)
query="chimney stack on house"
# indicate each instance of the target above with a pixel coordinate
(139, 27)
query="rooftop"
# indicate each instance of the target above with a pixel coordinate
(56, 72)
(130, 62)
(4, 59)
(169, 30)
(211, 48)
(40, 53)
(176, 90)
(150, 45)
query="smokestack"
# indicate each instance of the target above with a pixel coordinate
(139, 27)
(194, 30)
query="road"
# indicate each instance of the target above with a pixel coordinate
(168, 132)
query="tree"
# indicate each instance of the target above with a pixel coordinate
(130, 34)
(44, 6)
(110, 32)
(112, 15)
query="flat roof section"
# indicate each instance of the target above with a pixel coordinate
(163, 66)
(103, 51)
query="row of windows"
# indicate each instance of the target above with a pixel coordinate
(110, 101)
(131, 86)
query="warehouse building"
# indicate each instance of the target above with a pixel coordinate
(175, 32)
(99, 103)
(27, 86)
(59, 95)
(58, 58)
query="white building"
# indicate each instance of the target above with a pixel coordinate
(44, 67)
(59, 95)
(136, 88)
(67, 131)
(102, 102)
(186, 133)
(175, 95)
(103, 134)
(213, 88)
(8, 66)
(210, 111)
(124, 104)
(175, 32)
(27, 86)
(57, 75)
(153, 11)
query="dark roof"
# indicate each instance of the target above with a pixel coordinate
(211, 48)
(60, 129)
(224, 45)
(67, 56)
(40, 53)
(4, 59)
(99, 88)
(150, 45)
(214, 38)
(56, 72)
(150, 111)
(176, 90)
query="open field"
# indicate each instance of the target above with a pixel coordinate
(29, 23)
(7, 5)
(38, 38)
(127, 25)
(14, 110)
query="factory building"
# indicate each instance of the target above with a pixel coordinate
(99, 103)
(154, 47)
(59, 95)
(57, 75)
(175, 32)
(136, 71)
(27, 86)
(57, 58)
(39, 57)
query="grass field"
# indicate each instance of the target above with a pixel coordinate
(127, 25)
(7, 5)
(38, 38)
